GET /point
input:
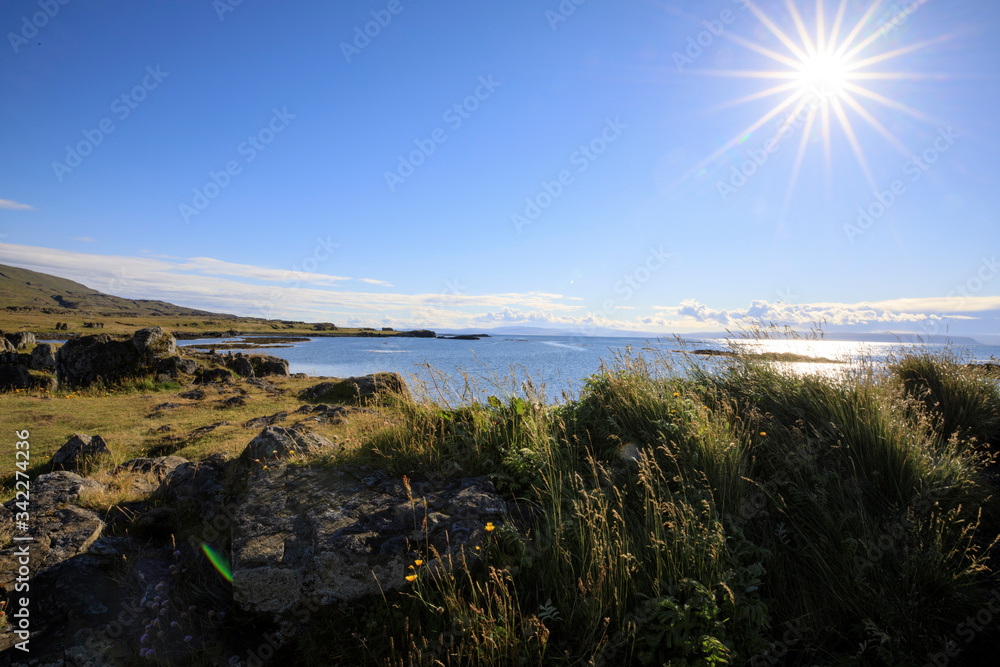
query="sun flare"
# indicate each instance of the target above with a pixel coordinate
(825, 79)
(824, 75)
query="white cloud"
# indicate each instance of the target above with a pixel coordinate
(211, 284)
(220, 286)
(11, 205)
(835, 314)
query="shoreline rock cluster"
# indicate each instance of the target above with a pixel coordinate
(302, 537)
(108, 359)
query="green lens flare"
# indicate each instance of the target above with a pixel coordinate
(219, 561)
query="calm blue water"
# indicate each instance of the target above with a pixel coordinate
(499, 365)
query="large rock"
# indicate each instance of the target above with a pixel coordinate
(265, 366)
(154, 342)
(357, 389)
(59, 530)
(256, 365)
(240, 365)
(326, 536)
(80, 452)
(88, 359)
(20, 340)
(276, 443)
(196, 485)
(15, 377)
(213, 376)
(175, 366)
(43, 357)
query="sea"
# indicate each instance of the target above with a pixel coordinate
(556, 367)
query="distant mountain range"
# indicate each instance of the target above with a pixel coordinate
(21, 288)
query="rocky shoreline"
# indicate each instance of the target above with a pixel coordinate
(105, 586)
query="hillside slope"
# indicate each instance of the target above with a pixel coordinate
(21, 288)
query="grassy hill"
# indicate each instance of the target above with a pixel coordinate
(22, 288)
(32, 301)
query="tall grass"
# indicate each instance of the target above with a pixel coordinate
(686, 517)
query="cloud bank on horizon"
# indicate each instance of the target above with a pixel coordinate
(215, 285)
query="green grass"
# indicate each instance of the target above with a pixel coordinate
(688, 518)
(125, 416)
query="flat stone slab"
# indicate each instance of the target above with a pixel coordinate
(59, 530)
(329, 536)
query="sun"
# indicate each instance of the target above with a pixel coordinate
(827, 77)
(824, 75)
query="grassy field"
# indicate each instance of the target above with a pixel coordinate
(665, 517)
(127, 419)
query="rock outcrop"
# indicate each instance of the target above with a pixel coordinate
(196, 485)
(275, 443)
(176, 366)
(256, 365)
(214, 375)
(327, 414)
(15, 377)
(59, 530)
(89, 359)
(357, 389)
(80, 452)
(43, 357)
(20, 340)
(154, 342)
(325, 536)
(15, 367)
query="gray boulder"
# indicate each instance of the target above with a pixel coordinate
(196, 485)
(241, 366)
(357, 389)
(176, 366)
(80, 452)
(43, 357)
(154, 342)
(88, 359)
(20, 340)
(256, 365)
(326, 536)
(214, 375)
(275, 443)
(59, 529)
(264, 366)
(15, 377)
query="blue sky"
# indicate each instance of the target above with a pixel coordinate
(274, 160)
